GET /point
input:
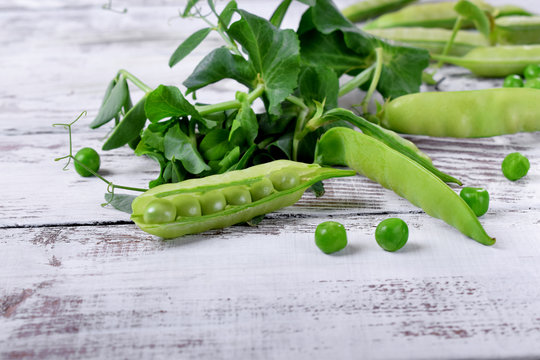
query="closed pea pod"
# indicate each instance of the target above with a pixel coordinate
(227, 199)
(433, 40)
(496, 61)
(431, 15)
(475, 113)
(517, 30)
(366, 9)
(391, 169)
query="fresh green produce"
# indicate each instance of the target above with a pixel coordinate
(87, 161)
(515, 166)
(531, 71)
(392, 234)
(367, 9)
(476, 198)
(434, 40)
(475, 113)
(296, 74)
(511, 10)
(516, 30)
(430, 15)
(496, 61)
(513, 81)
(226, 199)
(532, 83)
(391, 169)
(330, 237)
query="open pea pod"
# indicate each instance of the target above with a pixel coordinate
(218, 201)
(391, 169)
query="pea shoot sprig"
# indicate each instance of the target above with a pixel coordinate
(295, 74)
(88, 163)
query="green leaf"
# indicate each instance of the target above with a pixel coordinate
(244, 128)
(112, 104)
(242, 163)
(319, 83)
(273, 53)
(478, 16)
(178, 146)
(168, 101)
(215, 144)
(218, 65)
(330, 39)
(120, 202)
(229, 160)
(129, 128)
(317, 188)
(227, 13)
(282, 147)
(186, 47)
(190, 4)
(277, 17)
(143, 149)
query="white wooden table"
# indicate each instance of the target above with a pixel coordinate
(81, 281)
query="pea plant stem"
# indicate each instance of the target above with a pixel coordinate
(232, 104)
(356, 81)
(448, 46)
(135, 80)
(374, 80)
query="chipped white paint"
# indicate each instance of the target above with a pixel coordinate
(78, 280)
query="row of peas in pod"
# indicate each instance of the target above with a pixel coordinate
(530, 78)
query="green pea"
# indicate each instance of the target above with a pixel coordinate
(237, 195)
(187, 205)
(392, 234)
(531, 71)
(213, 202)
(159, 211)
(330, 237)
(533, 83)
(89, 158)
(515, 166)
(476, 198)
(284, 179)
(512, 81)
(261, 189)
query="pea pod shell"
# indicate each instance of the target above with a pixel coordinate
(366, 9)
(496, 61)
(515, 30)
(343, 146)
(433, 40)
(431, 15)
(309, 174)
(474, 113)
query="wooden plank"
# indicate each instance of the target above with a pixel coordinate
(268, 292)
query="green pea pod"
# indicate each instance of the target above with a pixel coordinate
(269, 187)
(391, 169)
(433, 40)
(512, 10)
(430, 15)
(496, 61)
(464, 114)
(367, 9)
(518, 30)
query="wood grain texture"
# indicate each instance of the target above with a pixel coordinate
(81, 281)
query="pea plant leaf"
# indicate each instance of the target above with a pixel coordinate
(244, 128)
(328, 38)
(479, 17)
(186, 47)
(319, 83)
(168, 101)
(273, 53)
(114, 100)
(218, 65)
(129, 128)
(177, 145)
(215, 144)
(120, 202)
